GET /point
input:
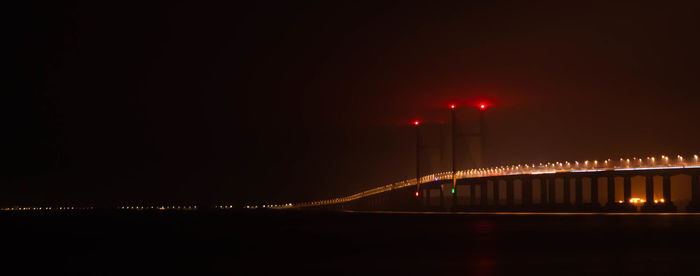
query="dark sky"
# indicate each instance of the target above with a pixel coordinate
(111, 103)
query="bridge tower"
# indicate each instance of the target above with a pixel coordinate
(454, 153)
(482, 136)
(419, 195)
(480, 161)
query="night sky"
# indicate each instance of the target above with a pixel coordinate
(271, 102)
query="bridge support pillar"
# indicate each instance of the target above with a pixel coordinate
(421, 200)
(484, 193)
(496, 191)
(543, 191)
(594, 192)
(668, 204)
(649, 188)
(611, 191)
(694, 205)
(472, 193)
(426, 192)
(667, 189)
(578, 192)
(527, 191)
(567, 191)
(552, 190)
(626, 206)
(627, 188)
(649, 205)
(442, 198)
(509, 192)
(454, 199)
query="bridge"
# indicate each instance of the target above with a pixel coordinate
(557, 186)
(554, 186)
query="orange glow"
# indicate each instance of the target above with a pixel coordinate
(636, 200)
(661, 200)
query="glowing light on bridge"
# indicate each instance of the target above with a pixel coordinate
(636, 200)
(41, 208)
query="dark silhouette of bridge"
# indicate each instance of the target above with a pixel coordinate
(559, 185)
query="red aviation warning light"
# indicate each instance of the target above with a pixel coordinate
(482, 107)
(416, 123)
(452, 106)
(416, 194)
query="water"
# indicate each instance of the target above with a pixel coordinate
(277, 242)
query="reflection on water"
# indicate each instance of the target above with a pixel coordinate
(288, 242)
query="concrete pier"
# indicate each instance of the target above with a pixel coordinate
(496, 191)
(611, 191)
(567, 191)
(543, 191)
(578, 192)
(627, 188)
(510, 192)
(694, 205)
(527, 191)
(484, 193)
(552, 191)
(594, 192)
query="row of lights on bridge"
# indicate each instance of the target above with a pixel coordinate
(288, 205)
(547, 168)
(627, 163)
(47, 208)
(163, 207)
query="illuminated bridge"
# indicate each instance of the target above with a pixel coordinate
(665, 184)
